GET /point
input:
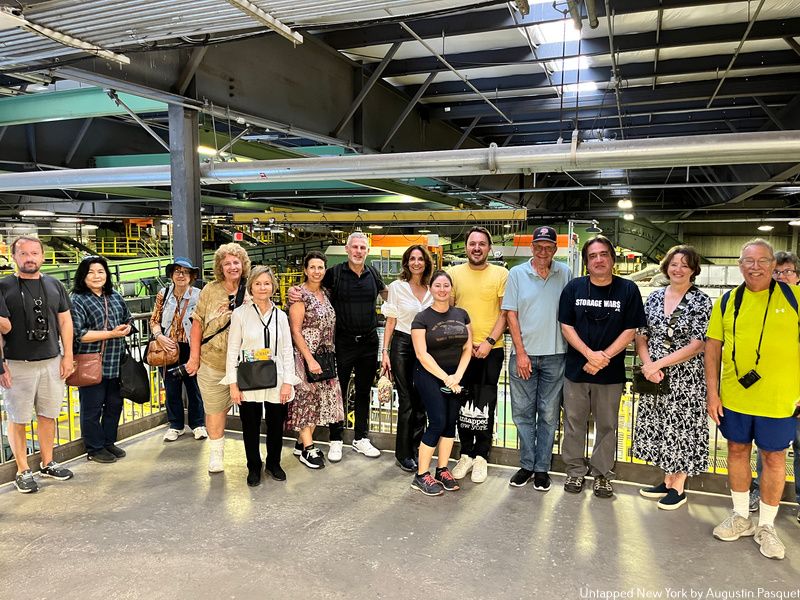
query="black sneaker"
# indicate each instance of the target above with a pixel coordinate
(672, 500)
(603, 487)
(520, 478)
(254, 477)
(426, 484)
(55, 470)
(312, 458)
(657, 491)
(116, 451)
(444, 477)
(25, 482)
(298, 448)
(102, 456)
(573, 485)
(541, 482)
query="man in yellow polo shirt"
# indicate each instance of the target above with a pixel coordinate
(478, 288)
(755, 339)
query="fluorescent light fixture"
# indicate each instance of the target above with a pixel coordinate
(362, 210)
(166, 221)
(766, 227)
(89, 226)
(625, 204)
(628, 216)
(795, 223)
(586, 86)
(11, 18)
(612, 173)
(336, 231)
(30, 212)
(264, 17)
(620, 191)
(374, 226)
(68, 220)
(424, 230)
(507, 226)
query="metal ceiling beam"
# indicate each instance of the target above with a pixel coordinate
(466, 133)
(189, 69)
(744, 148)
(374, 216)
(770, 113)
(492, 20)
(407, 110)
(71, 104)
(77, 141)
(784, 175)
(634, 42)
(792, 43)
(373, 79)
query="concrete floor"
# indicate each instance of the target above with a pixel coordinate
(157, 525)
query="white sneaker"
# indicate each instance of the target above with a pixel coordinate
(365, 447)
(770, 543)
(172, 435)
(200, 433)
(463, 466)
(479, 468)
(216, 456)
(335, 451)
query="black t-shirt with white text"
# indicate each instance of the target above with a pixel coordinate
(17, 346)
(599, 315)
(445, 334)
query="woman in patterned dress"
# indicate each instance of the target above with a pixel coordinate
(313, 322)
(672, 429)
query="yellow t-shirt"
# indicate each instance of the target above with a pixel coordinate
(480, 293)
(776, 393)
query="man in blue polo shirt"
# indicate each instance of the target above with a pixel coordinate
(536, 366)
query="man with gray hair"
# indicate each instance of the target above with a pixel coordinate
(750, 337)
(354, 287)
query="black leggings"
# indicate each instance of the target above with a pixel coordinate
(442, 408)
(250, 414)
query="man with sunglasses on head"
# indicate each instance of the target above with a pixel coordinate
(599, 315)
(38, 308)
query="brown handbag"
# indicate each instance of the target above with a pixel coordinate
(89, 367)
(159, 356)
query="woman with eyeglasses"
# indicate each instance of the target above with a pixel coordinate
(171, 324)
(408, 296)
(101, 319)
(671, 429)
(208, 343)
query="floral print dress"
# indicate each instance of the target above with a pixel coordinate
(671, 430)
(315, 403)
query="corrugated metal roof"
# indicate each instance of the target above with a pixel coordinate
(120, 24)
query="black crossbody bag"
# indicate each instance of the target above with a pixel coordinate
(259, 374)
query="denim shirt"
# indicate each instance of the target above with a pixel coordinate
(171, 305)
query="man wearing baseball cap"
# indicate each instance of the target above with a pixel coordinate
(536, 366)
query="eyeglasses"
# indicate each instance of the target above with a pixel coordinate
(184, 272)
(785, 272)
(544, 249)
(751, 262)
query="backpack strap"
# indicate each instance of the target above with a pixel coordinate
(789, 295)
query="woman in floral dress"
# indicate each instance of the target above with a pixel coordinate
(313, 322)
(672, 429)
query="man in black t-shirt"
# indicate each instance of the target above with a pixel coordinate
(599, 315)
(38, 308)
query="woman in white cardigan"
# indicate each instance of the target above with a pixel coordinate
(246, 340)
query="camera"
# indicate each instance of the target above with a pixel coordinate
(749, 378)
(179, 371)
(38, 335)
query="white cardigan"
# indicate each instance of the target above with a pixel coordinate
(247, 333)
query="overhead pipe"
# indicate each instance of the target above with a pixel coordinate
(591, 14)
(703, 150)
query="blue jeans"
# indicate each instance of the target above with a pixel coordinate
(174, 396)
(796, 449)
(535, 404)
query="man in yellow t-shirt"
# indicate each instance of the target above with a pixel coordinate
(755, 340)
(478, 288)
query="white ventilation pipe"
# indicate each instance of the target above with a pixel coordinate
(702, 150)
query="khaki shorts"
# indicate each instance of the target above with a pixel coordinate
(216, 396)
(35, 383)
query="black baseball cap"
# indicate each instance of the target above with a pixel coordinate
(545, 234)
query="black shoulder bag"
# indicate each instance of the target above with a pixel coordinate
(259, 374)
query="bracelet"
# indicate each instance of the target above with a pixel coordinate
(386, 350)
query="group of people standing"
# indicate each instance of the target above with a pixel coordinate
(443, 346)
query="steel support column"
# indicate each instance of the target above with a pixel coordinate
(185, 178)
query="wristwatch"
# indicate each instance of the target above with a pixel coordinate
(491, 340)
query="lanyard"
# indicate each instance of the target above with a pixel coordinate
(41, 303)
(266, 326)
(737, 304)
